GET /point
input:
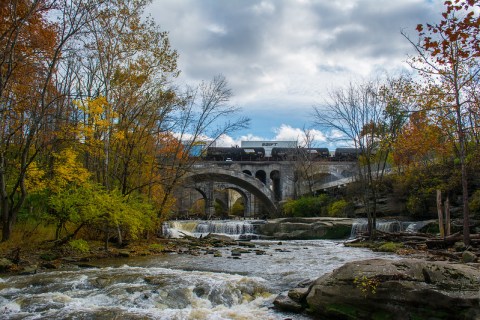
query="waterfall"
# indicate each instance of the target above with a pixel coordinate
(361, 226)
(244, 229)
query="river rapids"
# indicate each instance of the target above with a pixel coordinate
(177, 286)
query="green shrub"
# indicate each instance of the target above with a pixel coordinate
(307, 206)
(48, 256)
(415, 205)
(474, 203)
(79, 245)
(338, 208)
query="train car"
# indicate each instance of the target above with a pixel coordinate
(222, 153)
(283, 154)
(234, 154)
(346, 154)
(253, 154)
(316, 154)
(293, 154)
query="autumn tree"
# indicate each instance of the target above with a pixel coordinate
(32, 47)
(448, 60)
(124, 73)
(127, 62)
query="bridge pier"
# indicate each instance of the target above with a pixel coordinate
(209, 195)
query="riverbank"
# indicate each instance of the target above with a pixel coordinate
(49, 256)
(29, 257)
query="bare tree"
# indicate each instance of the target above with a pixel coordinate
(203, 114)
(304, 163)
(365, 114)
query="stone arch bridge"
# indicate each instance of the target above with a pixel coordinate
(262, 185)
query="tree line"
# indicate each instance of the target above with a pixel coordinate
(424, 125)
(94, 133)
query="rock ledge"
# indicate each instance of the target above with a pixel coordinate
(397, 289)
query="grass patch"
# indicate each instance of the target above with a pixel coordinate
(27, 234)
(156, 247)
(379, 246)
(390, 247)
(79, 245)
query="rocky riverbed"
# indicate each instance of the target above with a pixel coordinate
(427, 288)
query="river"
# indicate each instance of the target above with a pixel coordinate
(177, 286)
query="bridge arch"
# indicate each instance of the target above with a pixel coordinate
(240, 179)
(246, 198)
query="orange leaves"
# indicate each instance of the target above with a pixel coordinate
(420, 143)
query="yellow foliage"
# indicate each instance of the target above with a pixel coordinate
(67, 170)
(35, 178)
(119, 135)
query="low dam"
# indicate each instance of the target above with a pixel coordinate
(286, 228)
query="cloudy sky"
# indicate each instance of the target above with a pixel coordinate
(281, 57)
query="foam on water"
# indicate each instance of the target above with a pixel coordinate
(232, 228)
(134, 292)
(361, 226)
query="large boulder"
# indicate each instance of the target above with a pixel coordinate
(306, 228)
(397, 289)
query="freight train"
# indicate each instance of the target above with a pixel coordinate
(278, 154)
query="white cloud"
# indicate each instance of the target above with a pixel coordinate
(228, 141)
(283, 133)
(289, 53)
(288, 133)
(217, 29)
(264, 7)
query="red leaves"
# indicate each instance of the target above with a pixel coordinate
(456, 36)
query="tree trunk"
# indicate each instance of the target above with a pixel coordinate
(119, 232)
(7, 227)
(466, 213)
(447, 216)
(440, 213)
